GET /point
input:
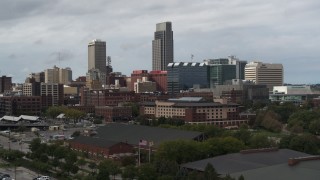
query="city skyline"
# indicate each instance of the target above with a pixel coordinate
(36, 35)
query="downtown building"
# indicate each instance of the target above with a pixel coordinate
(158, 77)
(5, 84)
(222, 70)
(20, 105)
(97, 69)
(264, 74)
(52, 94)
(184, 75)
(194, 110)
(58, 75)
(162, 46)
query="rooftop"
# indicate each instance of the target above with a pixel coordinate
(132, 133)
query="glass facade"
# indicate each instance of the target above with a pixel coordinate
(183, 76)
(219, 73)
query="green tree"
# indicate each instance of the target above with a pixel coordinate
(244, 135)
(241, 177)
(166, 167)
(74, 114)
(54, 111)
(129, 172)
(147, 172)
(128, 160)
(112, 167)
(35, 144)
(284, 110)
(302, 118)
(92, 166)
(305, 143)
(81, 162)
(271, 121)
(314, 127)
(180, 151)
(210, 173)
(260, 141)
(219, 146)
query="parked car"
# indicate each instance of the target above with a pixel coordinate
(4, 176)
(42, 178)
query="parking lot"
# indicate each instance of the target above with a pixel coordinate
(20, 141)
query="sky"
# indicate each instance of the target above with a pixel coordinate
(37, 34)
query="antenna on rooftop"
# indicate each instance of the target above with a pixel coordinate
(59, 58)
(192, 56)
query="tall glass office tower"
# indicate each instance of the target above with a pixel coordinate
(162, 46)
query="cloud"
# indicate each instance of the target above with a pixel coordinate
(57, 57)
(12, 56)
(275, 31)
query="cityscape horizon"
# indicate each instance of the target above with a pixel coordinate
(269, 32)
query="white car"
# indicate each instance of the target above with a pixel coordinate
(42, 178)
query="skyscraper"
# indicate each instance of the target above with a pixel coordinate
(162, 46)
(97, 69)
(97, 55)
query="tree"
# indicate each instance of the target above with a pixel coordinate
(35, 144)
(166, 167)
(271, 121)
(219, 146)
(128, 160)
(112, 167)
(147, 172)
(103, 174)
(284, 110)
(260, 141)
(180, 151)
(129, 172)
(305, 143)
(241, 177)
(314, 127)
(302, 118)
(210, 173)
(81, 162)
(54, 111)
(74, 114)
(92, 166)
(244, 135)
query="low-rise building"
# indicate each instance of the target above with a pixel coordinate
(100, 147)
(17, 105)
(297, 94)
(114, 113)
(194, 110)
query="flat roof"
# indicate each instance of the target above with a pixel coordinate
(238, 163)
(132, 133)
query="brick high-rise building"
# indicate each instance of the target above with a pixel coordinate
(160, 78)
(5, 83)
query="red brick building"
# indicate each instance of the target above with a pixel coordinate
(194, 110)
(159, 77)
(105, 97)
(99, 147)
(135, 75)
(18, 105)
(114, 113)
